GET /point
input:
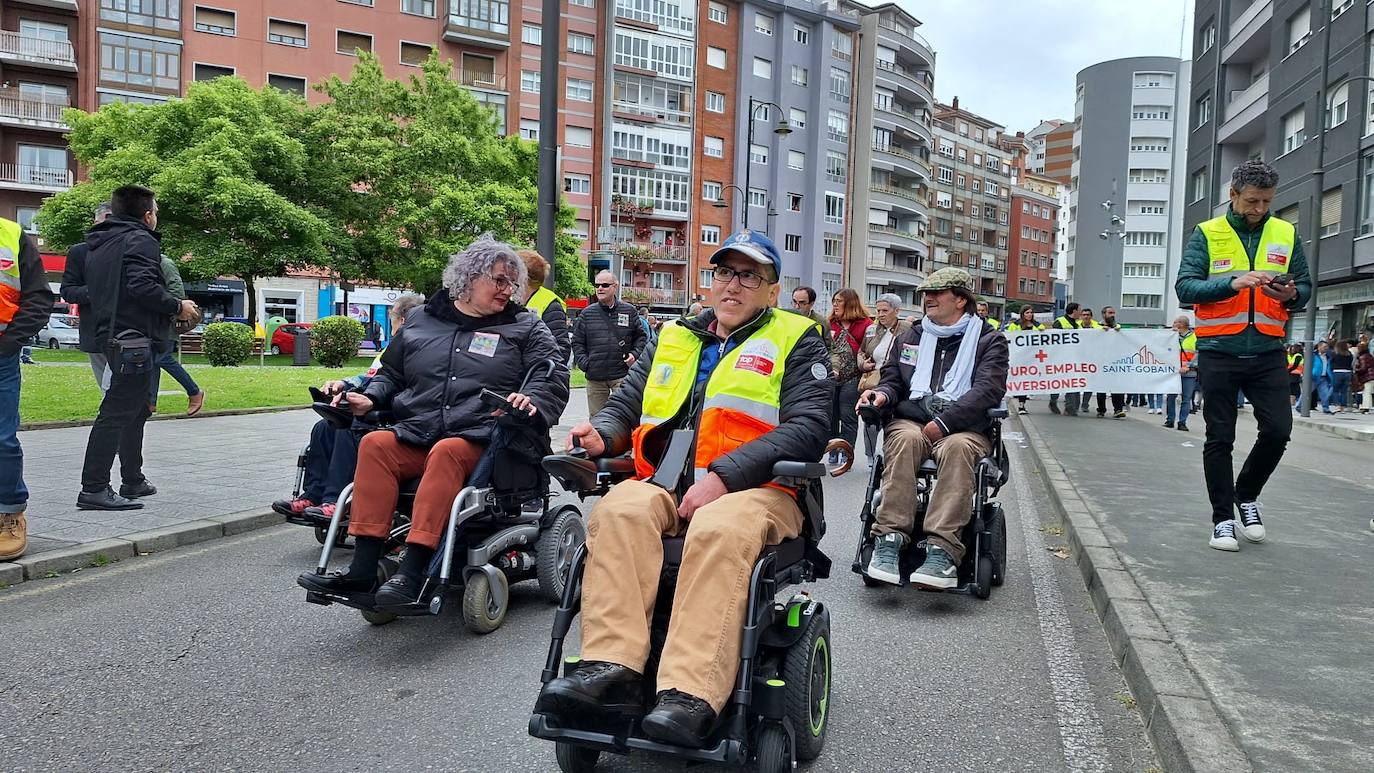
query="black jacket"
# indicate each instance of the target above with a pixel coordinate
(969, 413)
(436, 365)
(602, 337)
(556, 320)
(75, 292)
(803, 422)
(144, 302)
(35, 300)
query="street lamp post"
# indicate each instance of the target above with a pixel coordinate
(782, 129)
(721, 203)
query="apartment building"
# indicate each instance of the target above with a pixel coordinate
(1125, 206)
(971, 205)
(1034, 237)
(889, 232)
(1037, 145)
(1253, 93)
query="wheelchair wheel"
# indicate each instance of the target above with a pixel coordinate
(575, 759)
(982, 577)
(773, 754)
(385, 569)
(484, 605)
(806, 669)
(998, 527)
(555, 549)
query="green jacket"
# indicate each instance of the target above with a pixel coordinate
(1193, 286)
(177, 288)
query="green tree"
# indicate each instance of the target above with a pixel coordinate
(229, 165)
(413, 172)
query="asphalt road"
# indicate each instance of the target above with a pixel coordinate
(208, 658)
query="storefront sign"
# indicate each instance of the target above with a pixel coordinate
(1125, 361)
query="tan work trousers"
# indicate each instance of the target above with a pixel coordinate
(599, 393)
(625, 558)
(905, 447)
(384, 462)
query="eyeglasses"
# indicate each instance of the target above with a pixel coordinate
(502, 282)
(749, 280)
(604, 285)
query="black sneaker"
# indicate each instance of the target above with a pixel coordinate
(1224, 537)
(679, 719)
(596, 687)
(1169, 424)
(1183, 428)
(1054, 408)
(1022, 411)
(1118, 415)
(135, 490)
(105, 499)
(1250, 524)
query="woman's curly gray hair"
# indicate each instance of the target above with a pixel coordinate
(891, 299)
(480, 259)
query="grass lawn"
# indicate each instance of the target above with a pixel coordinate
(68, 392)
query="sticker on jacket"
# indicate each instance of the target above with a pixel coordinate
(1220, 265)
(1277, 254)
(623, 320)
(484, 344)
(758, 357)
(909, 354)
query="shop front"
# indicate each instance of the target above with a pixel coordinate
(368, 305)
(218, 299)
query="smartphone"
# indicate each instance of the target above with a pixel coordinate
(1282, 280)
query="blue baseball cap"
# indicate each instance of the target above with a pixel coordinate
(752, 245)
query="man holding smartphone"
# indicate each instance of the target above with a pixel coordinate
(1244, 272)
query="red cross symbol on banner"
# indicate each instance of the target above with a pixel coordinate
(1041, 356)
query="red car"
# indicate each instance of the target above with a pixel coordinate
(284, 337)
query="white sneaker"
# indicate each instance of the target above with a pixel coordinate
(1224, 537)
(1371, 524)
(1251, 525)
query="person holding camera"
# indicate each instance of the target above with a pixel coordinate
(1243, 272)
(607, 339)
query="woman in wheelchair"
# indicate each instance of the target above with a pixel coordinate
(470, 335)
(941, 379)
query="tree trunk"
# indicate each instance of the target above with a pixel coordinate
(251, 302)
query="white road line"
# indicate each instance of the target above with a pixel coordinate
(1080, 727)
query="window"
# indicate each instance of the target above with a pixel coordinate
(206, 72)
(1142, 270)
(802, 34)
(485, 15)
(1151, 112)
(1294, 130)
(529, 81)
(1367, 194)
(1208, 36)
(758, 154)
(1202, 110)
(946, 175)
(1331, 212)
(715, 102)
(798, 75)
(1154, 80)
(704, 277)
(289, 83)
(882, 138)
(579, 90)
(841, 44)
(717, 13)
(838, 125)
(1299, 28)
(1148, 176)
(1339, 7)
(1143, 239)
(577, 183)
(943, 200)
(418, 7)
(531, 34)
(1198, 186)
(834, 207)
(794, 202)
(710, 234)
(215, 21)
(1145, 207)
(51, 94)
(882, 100)
(1140, 301)
(796, 160)
(577, 137)
(1339, 100)
(151, 14)
(1150, 144)
(792, 242)
(758, 197)
(286, 33)
(797, 117)
(529, 129)
(579, 43)
(763, 24)
(351, 42)
(710, 191)
(836, 167)
(839, 84)
(831, 247)
(668, 191)
(43, 165)
(762, 68)
(715, 57)
(24, 216)
(140, 63)
(713, 147)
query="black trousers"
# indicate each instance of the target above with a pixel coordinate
(118, 429)
(1263, 380)
(330, 462)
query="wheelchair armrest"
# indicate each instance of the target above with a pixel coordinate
(791, 469)
(338, 418)
(574, 473)
(1000, 412)
(618, 466)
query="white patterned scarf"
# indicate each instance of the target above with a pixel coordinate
(959, 377)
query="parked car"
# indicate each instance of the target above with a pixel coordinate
(284, 337)
(59, 332)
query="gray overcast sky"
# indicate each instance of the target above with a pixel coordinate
(1015, 61)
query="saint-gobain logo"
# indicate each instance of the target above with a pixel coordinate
(1142, 357)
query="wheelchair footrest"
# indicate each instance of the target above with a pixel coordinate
(725, 751)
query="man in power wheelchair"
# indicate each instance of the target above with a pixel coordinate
(715, 413)
(943, 385)
(470, 335)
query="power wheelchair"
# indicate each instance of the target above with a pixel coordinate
(502, 528)
(778, 711)
(985, 535)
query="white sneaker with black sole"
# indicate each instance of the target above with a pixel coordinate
(1224, 537)
(1250, 524)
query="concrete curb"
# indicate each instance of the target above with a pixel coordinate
(166, 417)
(1349, 433)
(98, 553)
(1183, 722)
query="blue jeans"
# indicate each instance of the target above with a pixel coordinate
(14, 495)
(1324, 393)
(330, 462)
(1340, 387)
(1185, 404)
(1154, 402)
(169, 363)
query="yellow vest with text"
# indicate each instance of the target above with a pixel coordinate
(541, 299)
(1187, 349)
(10, 235)
(743, 397)
(1229, 260)
(1015, 327)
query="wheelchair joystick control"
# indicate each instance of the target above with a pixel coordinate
(577, 450)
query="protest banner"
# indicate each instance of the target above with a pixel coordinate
(1093, 360)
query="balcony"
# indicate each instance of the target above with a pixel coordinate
(482, 22)
(36, 52)
(1245, 113)
(918, 82)
(644, 255)
(908, 40)
(897, 237)
(905, 159)
(61, 5)
(913, 123)
(1249, 34)
(19, 110)
(39, 179)
(655, 14)
(476, 79)
(904, 199)
(635, 110)
(653, 296)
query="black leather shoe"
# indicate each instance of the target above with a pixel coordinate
(679, 719)
(400, 591)
(597, 687)
(105, 499)
(335, 582)
(135, 490)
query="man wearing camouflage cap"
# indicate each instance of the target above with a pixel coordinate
(940, 380)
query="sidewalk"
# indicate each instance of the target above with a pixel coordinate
(1353, 425)
(1258, 660)
(216, 476)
